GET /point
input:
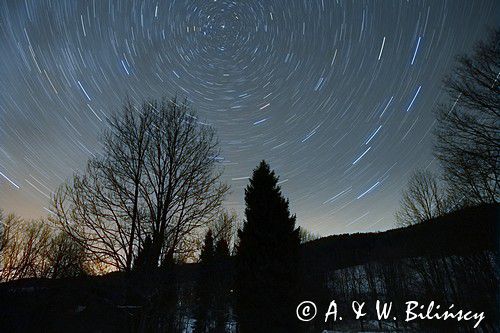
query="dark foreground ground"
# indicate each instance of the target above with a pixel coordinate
(453, 259)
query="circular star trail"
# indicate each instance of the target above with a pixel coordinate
(337, 95)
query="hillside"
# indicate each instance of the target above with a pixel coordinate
(464, 231)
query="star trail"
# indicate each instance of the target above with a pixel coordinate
(337, 95)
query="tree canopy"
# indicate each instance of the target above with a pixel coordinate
(156, 179)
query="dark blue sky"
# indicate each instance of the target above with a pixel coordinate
(337, 95)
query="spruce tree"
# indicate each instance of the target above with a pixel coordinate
(222, 286)
(221, 250)
(267, 258)
(205, 288)
(207, 252)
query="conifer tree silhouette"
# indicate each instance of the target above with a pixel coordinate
(221, 250)
(267, 258)
(208, 251)
(205, 287)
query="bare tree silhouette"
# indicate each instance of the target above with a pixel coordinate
(32, 249)
(468, 132)
(422, 200)
(157, 179)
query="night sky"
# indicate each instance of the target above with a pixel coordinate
(337, 95)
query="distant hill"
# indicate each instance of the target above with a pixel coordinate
(465, 231)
